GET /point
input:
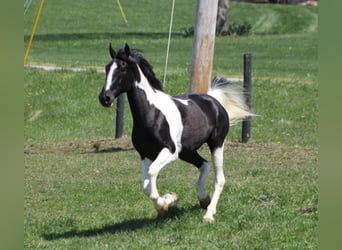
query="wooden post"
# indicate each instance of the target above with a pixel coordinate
(120, 110)
(247, 85)
(203, 45)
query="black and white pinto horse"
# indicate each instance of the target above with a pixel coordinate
(166, 128)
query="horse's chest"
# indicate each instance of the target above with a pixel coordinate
(169, 111)
(159, 126)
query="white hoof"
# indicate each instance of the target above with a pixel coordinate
(208, 219)
(170, 198)
(209, 216)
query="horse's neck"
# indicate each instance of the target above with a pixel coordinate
(140, 98)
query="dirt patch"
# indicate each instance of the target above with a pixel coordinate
(271, 153)
(102, 145)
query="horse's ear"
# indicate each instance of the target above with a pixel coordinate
(111, 51)
(127, 51)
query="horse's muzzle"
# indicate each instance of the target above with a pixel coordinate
(106, 99)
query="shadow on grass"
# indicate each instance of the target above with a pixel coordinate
(111, 150)
(132, 225)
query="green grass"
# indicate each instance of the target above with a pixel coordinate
(80, 197)
(83, 189)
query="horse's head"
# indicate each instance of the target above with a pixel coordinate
(121, 73)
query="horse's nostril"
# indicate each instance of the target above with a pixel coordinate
(107, 99)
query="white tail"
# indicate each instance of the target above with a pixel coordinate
(231, 97)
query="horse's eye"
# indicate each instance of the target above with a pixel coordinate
(123, 65)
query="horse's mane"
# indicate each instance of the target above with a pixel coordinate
(145, 67)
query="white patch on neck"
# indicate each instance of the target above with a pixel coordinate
(166, 105)
(110, 76)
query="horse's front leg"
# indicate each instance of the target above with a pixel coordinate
(150, 171)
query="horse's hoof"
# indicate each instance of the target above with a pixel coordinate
(208, 219)
(170, 198)
(205, 202)
(163, 210)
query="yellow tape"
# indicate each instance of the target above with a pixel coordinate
(122, 12)
(33, 31)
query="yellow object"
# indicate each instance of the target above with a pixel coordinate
(33, 31)
(122, 12)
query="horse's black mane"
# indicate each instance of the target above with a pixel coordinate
(145, 66)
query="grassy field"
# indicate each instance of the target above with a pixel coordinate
(83, 188)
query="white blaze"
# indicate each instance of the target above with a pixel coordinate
(110, 76)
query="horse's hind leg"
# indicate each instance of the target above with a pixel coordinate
(203, 196)
(194, 158)
(217, 155)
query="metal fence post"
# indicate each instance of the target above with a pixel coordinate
(247, 85)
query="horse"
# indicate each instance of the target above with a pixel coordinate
(166, 127)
